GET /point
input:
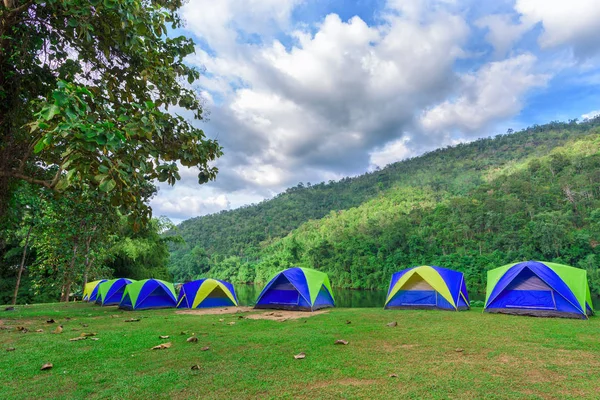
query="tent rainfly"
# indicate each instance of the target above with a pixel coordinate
(301, 289)
(90, 291)
(148, 293)
(205, 293)
(428, 287)
(540, 289)
(111, 292)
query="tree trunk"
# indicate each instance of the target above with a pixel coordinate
(22, 266)
(68, 278)
(87, 258)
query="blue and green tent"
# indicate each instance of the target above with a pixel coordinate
(111, 292)
(90, 291)
(148, 293)
(302, 289)
(428, 287)
(205, 293)
(541, 289)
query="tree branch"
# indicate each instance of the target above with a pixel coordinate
(26, 178)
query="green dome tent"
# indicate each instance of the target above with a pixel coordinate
(148, 293)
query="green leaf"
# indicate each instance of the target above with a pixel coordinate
(100, 177)
(71, 174)
(108, 185)
(52, 111)
(39, 146)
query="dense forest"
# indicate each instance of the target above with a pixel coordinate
(533, 194)
(87, 130)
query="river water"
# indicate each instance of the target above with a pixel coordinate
(247, 295)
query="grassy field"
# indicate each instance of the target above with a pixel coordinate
(434, 354)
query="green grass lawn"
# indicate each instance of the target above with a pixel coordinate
(502, 356)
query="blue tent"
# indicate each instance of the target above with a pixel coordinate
(428, 287)
(539, 289)
(297, 289)
(205, 293)
(111, 292)
(148, 293)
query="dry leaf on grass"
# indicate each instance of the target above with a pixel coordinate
(300, 356)
(459, 350)
(162, 346)
(59, 329)
(77, 338)
(192, 339)
(221, 319)
(46, 366)
(93, 338)
(88, 334)
(348, 322)
(22, 329)
(341, 341)
(163, 337)
(205, 348)
(39, 330)
(393, 375)
(195, 367)
(392, 324)
(10, 349)
(84, 325)
(231, 323)
(132, 320)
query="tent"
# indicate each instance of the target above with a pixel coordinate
(297, 289)
(428, 287)
(111, 292)
(148, 293)
(539, 289)
(205, 293)
(90, 291)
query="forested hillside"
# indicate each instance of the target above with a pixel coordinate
(526, 195)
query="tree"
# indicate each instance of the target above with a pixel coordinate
(86, 87)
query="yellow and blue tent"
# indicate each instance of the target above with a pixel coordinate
(90, 291)
(426, 287)
(205, 293)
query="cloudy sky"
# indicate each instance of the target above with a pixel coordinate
(315, 90)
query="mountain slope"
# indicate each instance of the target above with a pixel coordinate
(438, 176)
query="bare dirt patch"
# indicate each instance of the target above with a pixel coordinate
(274, 315)
(216, 311)
(285, 315)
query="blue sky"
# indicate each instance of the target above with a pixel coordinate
(315, 90)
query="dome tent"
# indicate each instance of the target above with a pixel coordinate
(539, 289)
(148, 293)
(111, 292)
(428, 287)
(302, 289)
(205, 293)
(90, 291)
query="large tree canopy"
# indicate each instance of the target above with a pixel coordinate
(87, 96)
